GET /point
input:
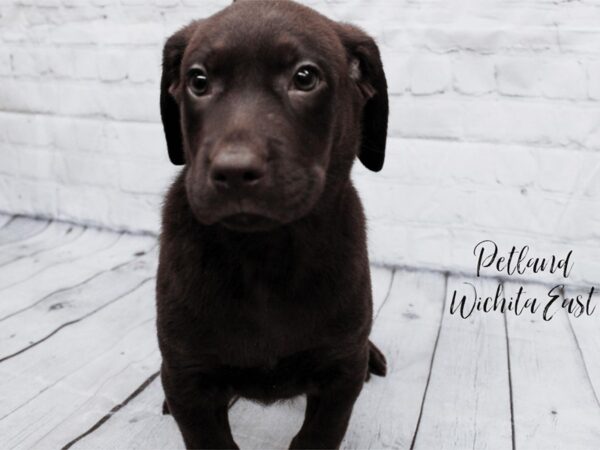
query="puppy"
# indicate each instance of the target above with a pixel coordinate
(263, 287)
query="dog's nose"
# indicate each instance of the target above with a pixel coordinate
(237, 169)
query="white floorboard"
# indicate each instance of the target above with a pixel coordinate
(74, 378)
(56, 235)
(587, 335)
(29, 280)
(20, 228)
(554, 402)
(468, 400)
(387, 411)
(4, 219)
(79, 360)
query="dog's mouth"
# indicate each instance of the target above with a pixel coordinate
(247, 223)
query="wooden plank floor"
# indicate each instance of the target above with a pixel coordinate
(79, 360)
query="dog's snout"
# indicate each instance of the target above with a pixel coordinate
(237, 169)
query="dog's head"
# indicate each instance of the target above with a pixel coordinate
(268, 103)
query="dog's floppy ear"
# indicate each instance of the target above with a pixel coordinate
(169, 108)
(367, 71)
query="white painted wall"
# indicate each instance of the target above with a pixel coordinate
(494, 127)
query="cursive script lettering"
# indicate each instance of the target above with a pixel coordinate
(518, 261)
(468, 304)
(465, 304)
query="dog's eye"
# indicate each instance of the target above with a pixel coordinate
(306, 78)
(198, 81)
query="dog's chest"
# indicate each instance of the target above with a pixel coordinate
(261, 325)
(265, 316)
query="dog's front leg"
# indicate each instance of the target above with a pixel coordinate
(200, 409)
(328, 413)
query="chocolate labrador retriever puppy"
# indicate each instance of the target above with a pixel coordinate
(263, 286)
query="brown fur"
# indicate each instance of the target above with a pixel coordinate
(263, 288)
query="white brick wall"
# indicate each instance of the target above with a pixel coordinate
(494, 126)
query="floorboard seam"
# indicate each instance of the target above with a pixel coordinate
(24, 238)
(114, 410)
(63, 262)
(387, 294)
(435, 346)
(510, 386)
(35, 253)
(62, 378)
(585, 367)
(8, 222)
(81, 283)
(72, 322)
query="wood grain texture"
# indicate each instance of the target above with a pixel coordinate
(138, 425)
(55, 235)
(77, 324)
(27, 269)
(4, 219)
(586, 330)
(381, 286)
(20, 228)
(28, 281)
(65, 308)
(554, 404)
(468, 403)
(54, 391)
